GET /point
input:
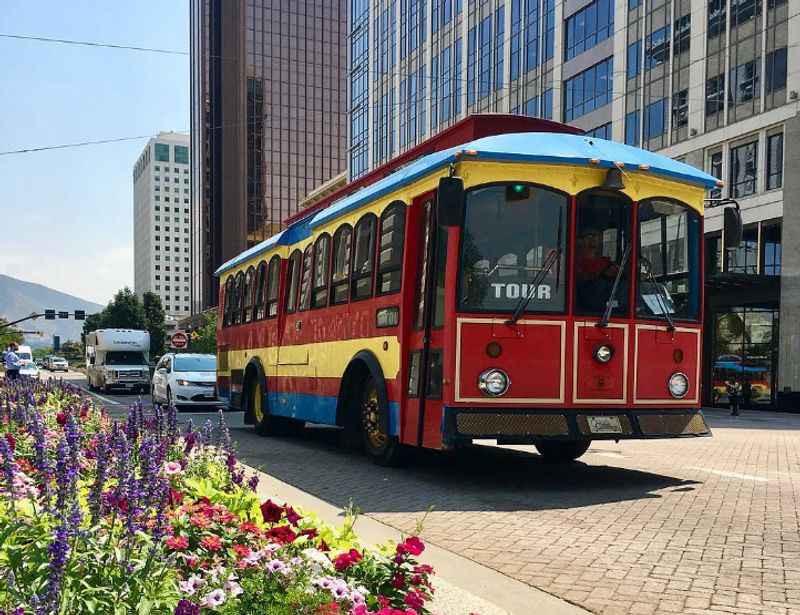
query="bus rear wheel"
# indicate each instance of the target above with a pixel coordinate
(554, 451)
(381, 447)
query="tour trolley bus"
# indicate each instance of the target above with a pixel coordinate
(509, 279)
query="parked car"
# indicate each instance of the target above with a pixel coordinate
(55, 364)
(186, 380)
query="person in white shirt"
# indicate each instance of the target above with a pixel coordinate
(12, 362)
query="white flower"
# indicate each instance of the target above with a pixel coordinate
(253, 557)
(172, 467)
(214, 599)
(233, 588)
(275, 565)
(317, 557)
(187, 588)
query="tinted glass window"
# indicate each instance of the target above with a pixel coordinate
(247, 314)
(390, 251)
(273, 281)
(305, 279)
(261, 278)
(293, 277)
(364, 257)
(342, 242)
(603, 234)
(124, 357)
(195, 363)
(512, 247)
(320, 295)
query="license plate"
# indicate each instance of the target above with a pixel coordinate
(604, 424)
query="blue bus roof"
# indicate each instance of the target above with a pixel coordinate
(544, 147)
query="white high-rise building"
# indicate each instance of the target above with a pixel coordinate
(162, 223)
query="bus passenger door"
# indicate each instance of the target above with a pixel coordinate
(423, 419)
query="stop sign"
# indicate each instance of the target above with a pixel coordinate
(179, 340)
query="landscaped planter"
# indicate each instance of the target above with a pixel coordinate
(107, 517)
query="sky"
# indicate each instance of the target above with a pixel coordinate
(67, 215)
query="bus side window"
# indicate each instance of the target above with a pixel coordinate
(273, 281)
(305, 279)
(364, 257)
(261, 277)
(247, 301)
(228, 302)
(292, 276)
(319, 297)
(238, 293)
(390, 250)
(340, 279)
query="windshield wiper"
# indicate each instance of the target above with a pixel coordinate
(523, 302)
(612, 297)
(663, 300)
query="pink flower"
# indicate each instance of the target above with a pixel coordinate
(212, 543)
(214, 599)
(177, 543)
(414, 600)
(412, 545)
(171, 468)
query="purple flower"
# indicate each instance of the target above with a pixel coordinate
(58, 550)
(65, 475)
(7, 459)
(100, 477)
(187, 607)
(253, 482)
(224, 433)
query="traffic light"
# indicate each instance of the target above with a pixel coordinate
(63, 314)
(49, 314)
(80, 315)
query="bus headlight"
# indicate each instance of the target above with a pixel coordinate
(493, 382)
(678, 385)
(603, 353)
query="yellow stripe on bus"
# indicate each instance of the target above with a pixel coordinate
(324, 359)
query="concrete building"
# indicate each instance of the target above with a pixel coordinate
(162, 223)
(712, 82)
(268, 118)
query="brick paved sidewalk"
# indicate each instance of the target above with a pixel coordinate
(673, 526)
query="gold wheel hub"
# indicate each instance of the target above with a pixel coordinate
(258, 404)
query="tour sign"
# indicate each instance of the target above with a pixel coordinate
(179, 340)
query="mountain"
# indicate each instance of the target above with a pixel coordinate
(19, 298)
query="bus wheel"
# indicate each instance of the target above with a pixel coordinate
(562, 452)
(383, 449)
(265, 424)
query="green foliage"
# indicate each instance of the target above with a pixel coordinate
(42, 352)
(154, 322)
(204, 339)
(263, 594)
(9, 334)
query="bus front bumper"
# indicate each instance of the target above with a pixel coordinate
(528, 426)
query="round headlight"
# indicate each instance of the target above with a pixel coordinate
(603, 353)
(493, 382)
(678, 385)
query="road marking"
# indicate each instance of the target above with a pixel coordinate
(759, 479)
(101, 398)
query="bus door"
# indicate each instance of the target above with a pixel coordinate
(426, 336)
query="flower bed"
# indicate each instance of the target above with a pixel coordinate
(117, 517)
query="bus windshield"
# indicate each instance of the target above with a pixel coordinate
(510, 230)
(669, 247)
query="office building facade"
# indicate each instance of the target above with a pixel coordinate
(268, 117)
(162, 223)
(711, 82)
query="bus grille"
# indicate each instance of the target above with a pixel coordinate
(512, 424)
(673, 424)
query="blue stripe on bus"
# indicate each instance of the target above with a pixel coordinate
(319, 409)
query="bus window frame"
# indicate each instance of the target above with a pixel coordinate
(238, 294)
(355, 277)
(260, 289)
(227, 302)
(379, 270)
(247, 295)
(327, 274)
(268, 301)
(345, 281)
(295, 264)
(304, 303)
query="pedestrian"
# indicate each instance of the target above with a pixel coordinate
(733, 396)
(12, 362)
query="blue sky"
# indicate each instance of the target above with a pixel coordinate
(68, 214)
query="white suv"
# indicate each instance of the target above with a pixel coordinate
(186, 380)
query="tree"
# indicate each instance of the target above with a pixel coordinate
(154, 322)
(125, 311)
(204, 338)
(9, 334)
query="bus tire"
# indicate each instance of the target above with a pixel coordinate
(264, 423)
(554, 451)
(381, 448)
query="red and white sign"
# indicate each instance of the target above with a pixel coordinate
(179, 340)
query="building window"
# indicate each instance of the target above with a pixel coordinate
(634, 59)
(550, 28)
(499, 28)
(485, 57)
(181, 155)
(457, 78)
(656, 50)
(547, 104)
(744, 259)
(471, 38)
(744, 165)
(744, 82)
(715, 169)
(632, 128)
(774, 161)
(715, 94)
(516, 28)
(162, 152)
(682, 34)
(531, 34)
(601, 132)
(588, 90)
(588, 27)
(713, 254)
(716, 17)
(655, 119)
(532, 107)
(776, 70)
(680, 108)
(771, 247)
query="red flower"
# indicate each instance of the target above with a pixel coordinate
(423, 569)
(25, 466)
(398, 580)
(12, 443)
(345, 560)
(200, 521)
(323, 546)
(175, 497)
(271, 512)
(61, 418)
(414, 600)
(292, 516)
(177, 543)
(212, 543)
(249, 527)
(310, 532)
(241, 550)
(282, 534)
(412, 545)
(331, 608)
(84, 412)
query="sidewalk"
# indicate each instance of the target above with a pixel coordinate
(463, 587)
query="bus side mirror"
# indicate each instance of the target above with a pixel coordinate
(450, 201)
(732, 225)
